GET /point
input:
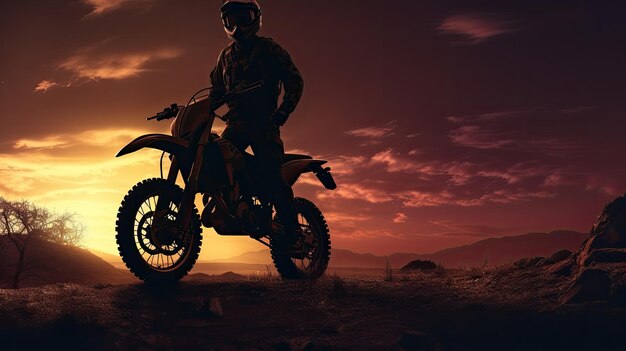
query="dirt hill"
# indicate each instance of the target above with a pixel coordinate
(49, 262)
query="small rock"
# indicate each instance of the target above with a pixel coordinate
(215, 307)
(561, 268)
(415, 340)
(311, 346)
(208, 307)
(283, 346)
(559, 256)
(299, 343)
(230, 275)
(618, 293)
(605, 255)
(591, 285)
(419, 265)
(528, 262)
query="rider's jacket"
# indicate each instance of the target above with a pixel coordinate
(260, 59)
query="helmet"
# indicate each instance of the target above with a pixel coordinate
(241, 18)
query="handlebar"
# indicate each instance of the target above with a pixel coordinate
(167, 113)
(172, 111)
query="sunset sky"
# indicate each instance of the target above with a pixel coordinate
(444, 122)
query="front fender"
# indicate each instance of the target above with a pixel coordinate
(167, 143)
(291, 171)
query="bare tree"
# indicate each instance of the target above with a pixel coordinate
(22, 222)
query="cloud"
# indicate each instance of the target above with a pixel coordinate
(49, 142)
(458, 172)
(99, 63)
(425, 199)
(101, 137)
(346, 219)
(602, 186)
(344, 165)
(475, 28)
(476, 230)
(557, 179)
(44, 85)
(489, 116)
(100, 7)
(501, 130)
(516, 173)
(357, 191)
(396, 163)
(400, 218)
(501, 196)
(480, 137)
(504, 196)
(374, 132)
(114, 66)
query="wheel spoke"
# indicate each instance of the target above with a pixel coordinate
(157, 255)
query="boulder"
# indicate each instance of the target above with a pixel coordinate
(415, 340)
(618, 293)
(419, 265)
(590, 285)
(563, 267)
(559, 256)
(300, 343)
(283, 346)
(312, 346)
(605, 256)
(609, 231)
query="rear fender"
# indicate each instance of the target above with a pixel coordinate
(167, 143)
(292, 170)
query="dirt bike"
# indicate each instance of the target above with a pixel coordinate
(158, 228)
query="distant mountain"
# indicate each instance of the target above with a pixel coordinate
(49, 262)
(338, 258)
(249, 257)
(492, 251)
(111, 258)
(497, 251)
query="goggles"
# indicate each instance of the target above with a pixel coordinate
(238, 18)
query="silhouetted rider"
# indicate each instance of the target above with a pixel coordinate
(255, 117)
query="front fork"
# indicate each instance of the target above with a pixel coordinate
(185, 210)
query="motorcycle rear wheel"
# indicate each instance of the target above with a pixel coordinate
(169, 258)
(314, 265)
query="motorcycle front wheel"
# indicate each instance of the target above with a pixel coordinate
(151, 245)
(315, 257)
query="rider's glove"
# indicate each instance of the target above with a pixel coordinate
(279, 118)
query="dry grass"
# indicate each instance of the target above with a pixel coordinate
(337, 286)
(267, 276)
(388, 271)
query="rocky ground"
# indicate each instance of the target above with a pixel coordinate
(510, 308)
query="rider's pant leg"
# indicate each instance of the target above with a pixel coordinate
(269, 150)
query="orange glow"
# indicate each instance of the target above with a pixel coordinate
(59, 173)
